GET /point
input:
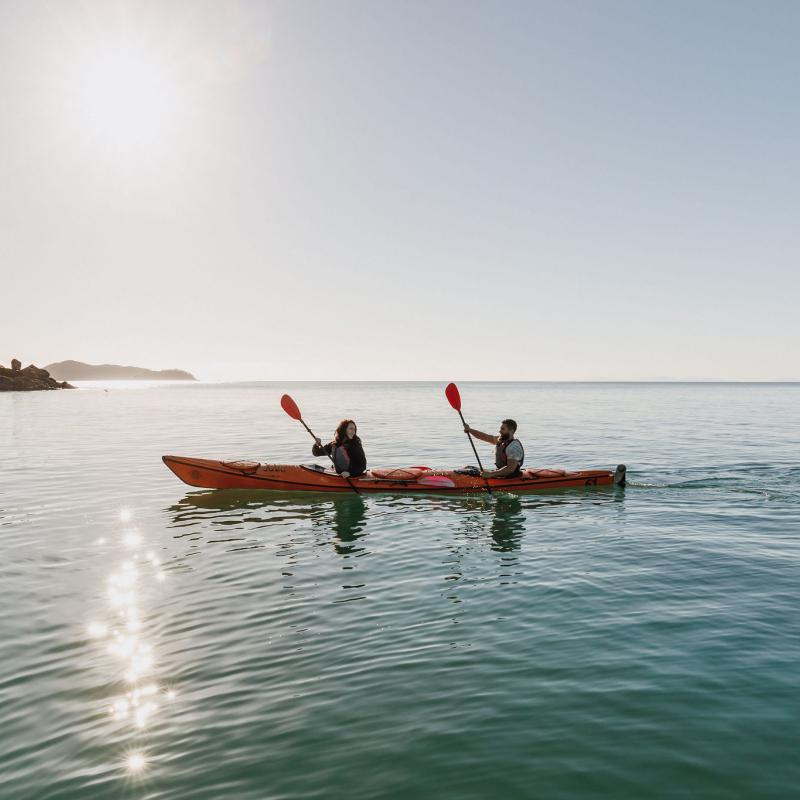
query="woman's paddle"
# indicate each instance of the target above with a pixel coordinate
(454, 398)
(290, 407)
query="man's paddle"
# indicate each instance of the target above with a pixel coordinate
(290, 407)
(454, 398)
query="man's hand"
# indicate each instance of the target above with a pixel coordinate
(487, 473)
(318, 441)
(345, 474)
(466, 428)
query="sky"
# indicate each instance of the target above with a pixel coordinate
(402, 190)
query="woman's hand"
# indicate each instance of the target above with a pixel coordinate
(487, 473)
(345, 474)
(318, 441)
(466, 428)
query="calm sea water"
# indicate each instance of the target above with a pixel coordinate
(163, 642)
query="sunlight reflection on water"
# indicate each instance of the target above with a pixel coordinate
(139, 696)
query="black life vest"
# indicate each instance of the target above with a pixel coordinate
(501, 458)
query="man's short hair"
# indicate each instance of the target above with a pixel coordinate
(509, 423)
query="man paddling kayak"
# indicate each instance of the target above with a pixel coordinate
(508, 451)
(346, 450)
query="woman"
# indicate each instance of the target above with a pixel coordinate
(345, 450)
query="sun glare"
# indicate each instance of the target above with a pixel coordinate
(125, 96)
(135, 762)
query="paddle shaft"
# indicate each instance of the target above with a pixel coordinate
(469, 436)
(330, 456)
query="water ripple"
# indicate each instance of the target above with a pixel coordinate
(167, 643)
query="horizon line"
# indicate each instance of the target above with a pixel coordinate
(445, 381)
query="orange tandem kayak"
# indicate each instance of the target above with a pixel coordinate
(208, 474)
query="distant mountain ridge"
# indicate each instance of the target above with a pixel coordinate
(78, 371)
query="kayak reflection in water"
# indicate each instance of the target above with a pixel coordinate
(346, 450)
(508, 451)
(349, 521)
(508, 524)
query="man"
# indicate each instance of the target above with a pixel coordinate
(508, 451)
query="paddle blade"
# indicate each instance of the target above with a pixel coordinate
(290, 407)
(453, 397)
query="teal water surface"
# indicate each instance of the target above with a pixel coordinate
(164, 642)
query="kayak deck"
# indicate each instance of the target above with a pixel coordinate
(210, 474)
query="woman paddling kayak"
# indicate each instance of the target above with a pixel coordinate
(346, 450)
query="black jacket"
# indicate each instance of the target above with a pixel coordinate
(354, 448)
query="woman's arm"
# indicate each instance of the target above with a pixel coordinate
(319, 449)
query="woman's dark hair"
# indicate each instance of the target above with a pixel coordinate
(340, 437)
(509, 423)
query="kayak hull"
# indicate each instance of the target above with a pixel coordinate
(209, 474)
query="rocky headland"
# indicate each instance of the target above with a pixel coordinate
(30, 379)
(78, 371)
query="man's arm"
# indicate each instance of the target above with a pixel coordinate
(508, 469)
(484, 437)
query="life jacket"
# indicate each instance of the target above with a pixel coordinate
(341, 458)
(501, 458)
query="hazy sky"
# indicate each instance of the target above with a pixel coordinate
(321, 190)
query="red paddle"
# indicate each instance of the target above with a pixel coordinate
(290, 407)
(454, 398)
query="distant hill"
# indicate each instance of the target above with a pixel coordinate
(78, 371)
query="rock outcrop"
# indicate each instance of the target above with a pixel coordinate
(30, 379)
